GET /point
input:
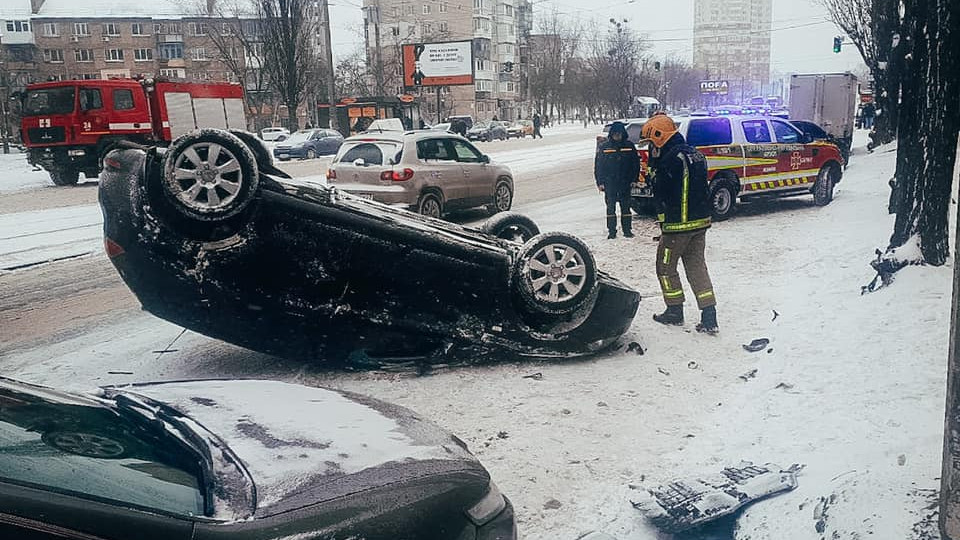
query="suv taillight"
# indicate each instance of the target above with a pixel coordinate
(331, 174)
(402, 176)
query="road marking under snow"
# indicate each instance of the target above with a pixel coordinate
(29, 238)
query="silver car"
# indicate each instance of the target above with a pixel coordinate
(428, 172)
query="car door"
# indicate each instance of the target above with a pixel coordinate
(331, 142)
(479, 175)
(796, 159)
(762, 156)
(441, 169)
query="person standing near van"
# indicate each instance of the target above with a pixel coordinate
(616, 166)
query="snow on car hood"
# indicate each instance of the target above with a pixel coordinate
(288, 435)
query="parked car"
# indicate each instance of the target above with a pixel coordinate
(308, 144)
(633, 125)
(258, 460)
(520, 129)
(466, 119)
(430, 173)
(755, 156)
(486, 131)
(274, 133)
(211, 236)
(817, 133)
(445, 126)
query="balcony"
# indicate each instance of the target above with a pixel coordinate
(170, 38)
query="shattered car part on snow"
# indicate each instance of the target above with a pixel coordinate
(756, 345)
(691, 502)
(209, 235)
(239, 459)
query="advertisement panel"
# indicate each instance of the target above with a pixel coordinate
(720, 88)
(438, 64)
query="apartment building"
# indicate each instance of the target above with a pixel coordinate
(498, 30)
(731, 40)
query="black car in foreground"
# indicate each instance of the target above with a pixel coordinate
(237, 459)
(209, 235)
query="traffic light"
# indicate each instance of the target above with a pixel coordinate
(837, 43)
(656, 66)
(508, 67)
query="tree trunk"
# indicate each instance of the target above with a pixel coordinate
(887, 80)
(928, 128)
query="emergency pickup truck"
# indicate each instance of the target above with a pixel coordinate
(751, 157)
(68, 126)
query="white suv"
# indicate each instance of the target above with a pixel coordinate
(274, 134)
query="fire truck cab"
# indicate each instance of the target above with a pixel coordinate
(69, 125)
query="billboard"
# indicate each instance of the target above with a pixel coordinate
(720, 88)
(438, 64)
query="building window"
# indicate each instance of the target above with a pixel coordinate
(113, 55)
(83, 55)
(51, 29)
(136, 29)
(18, 26)
(199, 54)
(158, 28)
(81, 29)
(170, 51)
(476, 24)
(410, 9)
(111, 29)
(483, 86)
(174, 28)
(426, 28)
(395, 30)
(90, 76)
(255, 50)
(176, 73)
(226, 29)
(443, 7)
(481, 65)
(478, 5)
(508, 10)
(198, 29)
(426, 9)
(53, 55)
(142, 55)
(443, 26)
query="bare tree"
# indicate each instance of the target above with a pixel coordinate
(680, 84)
(290, 57)
(553, 50)
(616, 63)
(353, 77)
(874, 28)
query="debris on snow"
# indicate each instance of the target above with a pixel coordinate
(535, 376)
(552, 504)
(749, 375)
(663, 371)
(757, 344)
(635, 347)
(775, 315)
(693, 365)
(687, 503)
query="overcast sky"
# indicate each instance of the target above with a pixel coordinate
(807, 47)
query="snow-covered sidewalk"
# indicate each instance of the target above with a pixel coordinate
(28, 238)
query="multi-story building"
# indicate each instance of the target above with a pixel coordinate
(497, 28)
(731, 41)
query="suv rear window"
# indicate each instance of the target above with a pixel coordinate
(709, 132)
(370, 153)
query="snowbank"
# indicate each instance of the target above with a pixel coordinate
(18, 175)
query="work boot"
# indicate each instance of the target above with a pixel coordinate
(611, 235)
(708, 321)
(628, 234)
(673, 316)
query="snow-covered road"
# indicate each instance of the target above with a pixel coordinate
(852, 386)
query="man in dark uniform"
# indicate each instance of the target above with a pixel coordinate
(682, 195)
(536, 126)
(616, 166)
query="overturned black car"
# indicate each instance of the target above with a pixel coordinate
(211, 236)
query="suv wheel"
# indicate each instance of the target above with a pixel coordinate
(502, 197)
(511, 226)
(555, 274)
(823, 189)
(430, 205)
(723, 198)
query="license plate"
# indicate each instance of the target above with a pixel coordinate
(367, 196)
(640, 191)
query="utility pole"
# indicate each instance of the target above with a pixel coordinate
(4, 98)
(378, 70)
(328, 45)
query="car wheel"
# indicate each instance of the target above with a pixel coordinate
(85, 444)
(311, 154)
(65, 177)
(430, 205)
(555, 274)
(511, 226)
(210, 175)
(723, 198)
(823, 189)
(502, 197)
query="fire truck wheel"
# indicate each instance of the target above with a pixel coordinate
(826, 180)
(723, 197)
(210, 175)
(65, 177)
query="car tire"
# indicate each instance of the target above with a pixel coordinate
(311, 153)
(511, 226)
(430, 205)
(83, 443)
(723, 198)
(554, 274)
(203, 191)
(823, 189)
(502, 197)
(65, 177)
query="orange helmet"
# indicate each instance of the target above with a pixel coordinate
(659, 129)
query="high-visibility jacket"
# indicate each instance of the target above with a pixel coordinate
(680, 187)
(617, 165)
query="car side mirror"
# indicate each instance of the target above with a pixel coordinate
(359, 162)
(484, 159)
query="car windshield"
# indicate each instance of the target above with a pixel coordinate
(98, 453)
(49, 101)
(299, 137)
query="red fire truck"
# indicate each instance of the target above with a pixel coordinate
(68, 125)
